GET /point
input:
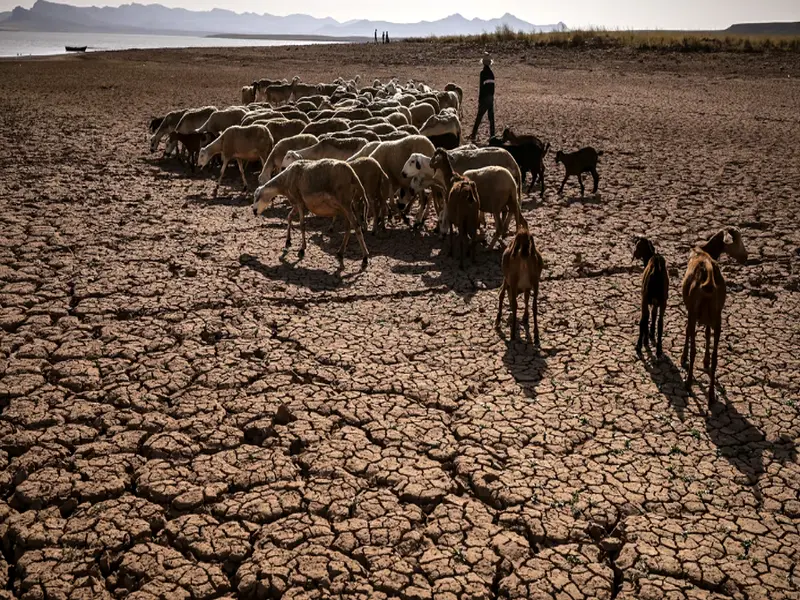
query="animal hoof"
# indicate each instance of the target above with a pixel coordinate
(639, 349)
(287, 244)
(364, 262)
(301, 253)
(659, 352)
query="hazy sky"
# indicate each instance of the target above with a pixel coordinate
(653, 14)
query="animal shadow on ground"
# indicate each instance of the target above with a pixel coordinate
(295, 273)
(172, 164)
(232, 200)
(668, 379)
(743, 444)
(524, 361)
(595, 198)
(437, 268)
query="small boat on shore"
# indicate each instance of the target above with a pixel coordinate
(75, 48)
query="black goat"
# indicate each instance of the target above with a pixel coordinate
(529, 156)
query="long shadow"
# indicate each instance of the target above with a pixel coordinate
(209, 200)
(669, 381)
(524, 361)
(743, 444)
(295, 273)
(587, 199)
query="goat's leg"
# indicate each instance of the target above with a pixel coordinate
(561, 189)
(661, 310)
(580, 180)
(692, 351)
(596, 177)
(707, 355)
(527, 304)
(536, 313)
(333, 222)
(512, 301)
(643, 328)
(653, 324)
(541, 178)
(712, 393)
(241, 171)
(302, 217)
(500, 305)
(685, 353)
(221, 175)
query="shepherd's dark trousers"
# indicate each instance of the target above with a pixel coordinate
(484, 107)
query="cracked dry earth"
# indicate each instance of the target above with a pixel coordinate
(186, 415)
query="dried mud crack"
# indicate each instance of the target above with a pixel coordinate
(187, 413)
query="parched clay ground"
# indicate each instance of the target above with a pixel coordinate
(187, 415)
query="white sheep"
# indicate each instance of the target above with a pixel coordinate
(366, 150)
(326, 126)
(443, 130)
(281, 130)
(377, 187)
(328, 148)
(167, 126)
(326, 188)
(250, 143)
(220, 120)
(275, 158)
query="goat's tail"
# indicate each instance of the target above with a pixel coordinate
(706, 277)
(522, 244)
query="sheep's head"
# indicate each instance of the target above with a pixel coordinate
(643, 250)
(559, 156)
(203, 157)
(415, 163)
(263, 197)
(290, 157)
(172, 143)
(734, 246)
(154, 143)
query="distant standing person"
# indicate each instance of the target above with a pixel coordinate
(485, 97)
(383, 37)
(376, 35)
(387, 37)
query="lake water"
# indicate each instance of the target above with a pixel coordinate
(36, 43)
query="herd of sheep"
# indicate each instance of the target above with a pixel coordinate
(371, 152)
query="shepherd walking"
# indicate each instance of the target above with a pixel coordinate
(485, 97)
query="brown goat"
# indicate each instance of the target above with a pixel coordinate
(655, 289)
(704, 297)
(463, 211)
(462, 208)
(577, 163)
(522, 269)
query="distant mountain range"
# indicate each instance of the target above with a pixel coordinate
(765, 28)
(155, 18)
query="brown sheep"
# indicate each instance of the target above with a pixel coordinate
(655, 289)
(522, 269)
(577, 163)
(704, 297)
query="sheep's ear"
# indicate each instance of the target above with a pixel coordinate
(727, 238)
